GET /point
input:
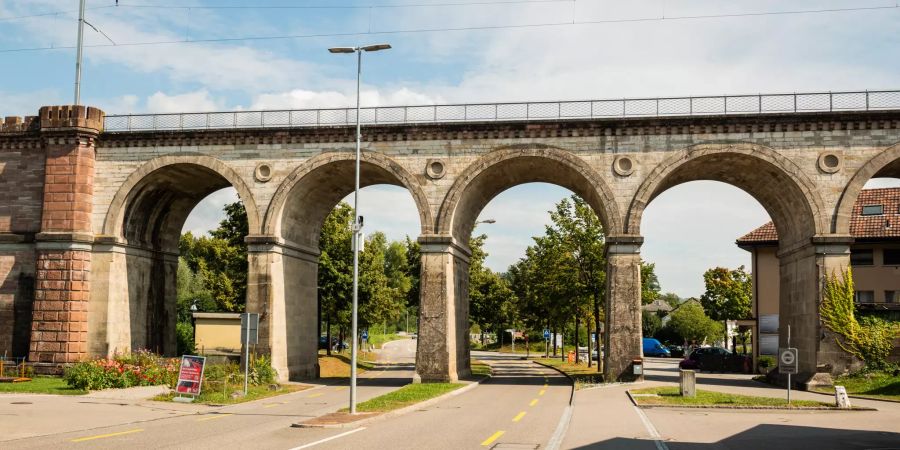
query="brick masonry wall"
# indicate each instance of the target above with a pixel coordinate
(59, 328)
(16, 296)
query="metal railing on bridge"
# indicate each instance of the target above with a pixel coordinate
(523, 111)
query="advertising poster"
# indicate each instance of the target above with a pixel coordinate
(190, 375)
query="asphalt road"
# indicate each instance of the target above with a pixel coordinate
(262, 424)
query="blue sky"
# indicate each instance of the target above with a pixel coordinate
(849, 50)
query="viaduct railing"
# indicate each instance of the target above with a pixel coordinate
(525, 111)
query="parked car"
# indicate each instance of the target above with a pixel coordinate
(676, 351)
(653, 347)
(323, 344)
(716, 359)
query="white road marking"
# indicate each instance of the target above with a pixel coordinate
(322, 441)
(657, 439)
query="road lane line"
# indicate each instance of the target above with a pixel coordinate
(519, 416)
(543, 391)
(657, 439)
(318, 394)
(493, 438)
(321, 441)
(533, 402)
(101, 436)
(340, 388)
(214, 417)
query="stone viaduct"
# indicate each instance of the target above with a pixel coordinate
(90, 219)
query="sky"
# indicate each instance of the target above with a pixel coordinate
(194, 55)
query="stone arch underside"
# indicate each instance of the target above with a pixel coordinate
(509, 167)
(775, 182)
(136, 260)
(883, 165)
(289, 267)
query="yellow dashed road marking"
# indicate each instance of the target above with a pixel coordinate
(533, 402)
(318, 394)
(217, 416)
(519, 416)
(542, 392)
(340, 388)
(101, 436)
(493, 438)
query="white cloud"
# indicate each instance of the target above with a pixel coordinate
(209, 212)
(188, 102)
(305, 99)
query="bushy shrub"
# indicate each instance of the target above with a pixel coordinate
(766, 362)
(184, 333)
(140, 368)
(261, 371)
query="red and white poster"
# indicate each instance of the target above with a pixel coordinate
(190, 375)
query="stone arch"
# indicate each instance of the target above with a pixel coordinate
(135, 261)
(884, 164)
(788, 195)
(171, 170)
(322, 181)
(506, 167)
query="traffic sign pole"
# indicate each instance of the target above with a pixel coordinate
(789, 374)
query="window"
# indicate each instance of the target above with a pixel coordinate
(892, 296)
(892, 256)
(862, 257)
(865, 296)
(873, 210)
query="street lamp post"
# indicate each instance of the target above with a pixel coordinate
(357, 223)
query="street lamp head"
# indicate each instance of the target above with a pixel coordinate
(342, 49)
(376, 47)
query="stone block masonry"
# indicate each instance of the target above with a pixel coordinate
(59, 326)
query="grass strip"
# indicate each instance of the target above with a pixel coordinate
(480, 369)
(338, 364)
(41, 385)
(876, 385)
(671, 396)
(583, 375)
(405, 396)
(215, 393)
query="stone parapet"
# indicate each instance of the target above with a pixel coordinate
(71, 116)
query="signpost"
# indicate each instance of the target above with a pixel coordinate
(249, 335)
(190, 377)
(546, 342)
(788, 363)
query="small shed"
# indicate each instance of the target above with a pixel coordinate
(217, 333)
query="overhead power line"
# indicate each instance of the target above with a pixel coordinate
(469, 28)
(322, 6)
(53, 13)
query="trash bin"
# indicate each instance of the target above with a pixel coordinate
(637, 367)
(571, 356)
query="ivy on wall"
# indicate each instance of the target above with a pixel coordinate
(869, 339)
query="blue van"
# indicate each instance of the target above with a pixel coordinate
(652, 347)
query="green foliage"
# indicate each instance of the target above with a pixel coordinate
(728, 295)
(184, 334)
(218, 262)
(869, 339)
(765, 361)
(135, 369)
(650, 324)
(261, 371)
(649, 283)
(691, 324)
(491, 301)
(671, 298)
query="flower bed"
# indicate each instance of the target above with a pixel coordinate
(141, 368)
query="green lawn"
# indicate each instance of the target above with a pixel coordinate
(379, 339)
(879, 385)
(405, 396)
(41, 385)
(216, 393)
(670, 396)
(583, 375)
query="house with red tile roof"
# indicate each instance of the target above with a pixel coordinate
(874, 257)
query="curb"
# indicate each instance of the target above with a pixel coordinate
(563, 427)
(398, 412)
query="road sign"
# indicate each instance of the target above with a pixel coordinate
(788, 361)
(546, 334)
(365, 335)
(251, 336)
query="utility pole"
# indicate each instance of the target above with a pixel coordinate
(78, 53)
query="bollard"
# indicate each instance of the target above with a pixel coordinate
(688, 383)
(841, 399)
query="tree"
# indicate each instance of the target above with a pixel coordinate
(691, 324)
(650, 324)
(491, 301)
(671, 298)
(728, 293)
(335, 276)
(649, 283)
(379, 302)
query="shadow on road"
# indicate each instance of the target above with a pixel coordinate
(774, 437)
